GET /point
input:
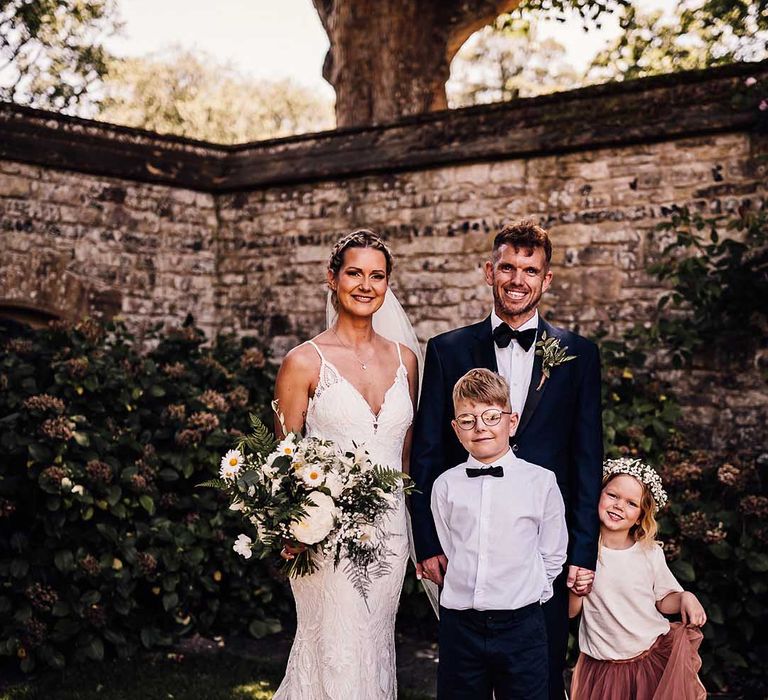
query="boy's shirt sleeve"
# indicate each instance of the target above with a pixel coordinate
(439, 507)
(553, 534)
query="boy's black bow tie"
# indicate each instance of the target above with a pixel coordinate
(485, 471)
(503, 335)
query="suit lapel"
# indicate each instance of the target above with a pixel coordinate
(534, 397)
(483, 350)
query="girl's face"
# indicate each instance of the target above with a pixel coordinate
(619, 506)
(361, 283)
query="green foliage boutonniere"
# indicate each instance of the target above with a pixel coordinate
(552, 355)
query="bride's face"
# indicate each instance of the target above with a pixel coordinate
(361, 283)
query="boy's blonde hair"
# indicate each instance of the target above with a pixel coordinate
(482, 386)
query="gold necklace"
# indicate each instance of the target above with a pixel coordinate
(362, 364)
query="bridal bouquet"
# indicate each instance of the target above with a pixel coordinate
(309, 495)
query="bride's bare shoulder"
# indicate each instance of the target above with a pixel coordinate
(303, 358)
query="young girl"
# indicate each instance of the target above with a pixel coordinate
(628, 648)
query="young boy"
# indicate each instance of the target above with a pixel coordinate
(501, 524)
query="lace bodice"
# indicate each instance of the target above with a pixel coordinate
(339, 412)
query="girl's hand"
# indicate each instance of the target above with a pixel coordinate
(583, 583)
(691, 611)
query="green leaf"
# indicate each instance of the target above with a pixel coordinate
(64, 560)
(95, 649)
(715, 614)
(721, 550)
(157, 391)
(170, 601)
(168, 474)
(19, 568)
(147, 503)
(683, 570)
(757, 561)
(40, 453)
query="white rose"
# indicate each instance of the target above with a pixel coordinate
(334, 483)
(78, 489)
(243, 546)
(318, 522)
(66, 483)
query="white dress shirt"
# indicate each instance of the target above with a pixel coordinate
(516, 364)
(505, 537)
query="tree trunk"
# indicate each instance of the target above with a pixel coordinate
(391, 58)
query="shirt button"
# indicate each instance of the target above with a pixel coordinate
(515, 447)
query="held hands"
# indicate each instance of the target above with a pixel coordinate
(580, 580)
(432, 569)
(691, 611)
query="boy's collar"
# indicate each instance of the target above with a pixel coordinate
(506, 460)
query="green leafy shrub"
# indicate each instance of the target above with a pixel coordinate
(715, 533)
(106, 544)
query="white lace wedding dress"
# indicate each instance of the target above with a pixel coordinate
(344, 650)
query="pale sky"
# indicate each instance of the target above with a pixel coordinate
(282, 38)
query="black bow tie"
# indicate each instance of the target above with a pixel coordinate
(486, 471)
(503, 335)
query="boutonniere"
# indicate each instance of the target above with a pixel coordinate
(552, 355)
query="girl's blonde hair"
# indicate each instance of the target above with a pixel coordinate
(644, 531)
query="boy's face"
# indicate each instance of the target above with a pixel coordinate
(486, 443)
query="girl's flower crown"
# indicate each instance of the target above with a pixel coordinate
(644, 473)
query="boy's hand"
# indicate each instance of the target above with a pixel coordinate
(580, 580)
(432, 569)
(691, 611)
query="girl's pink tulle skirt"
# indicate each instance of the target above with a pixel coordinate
(667, 671)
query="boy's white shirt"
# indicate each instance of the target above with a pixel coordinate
(505, 537)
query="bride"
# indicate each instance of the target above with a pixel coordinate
(352, 385)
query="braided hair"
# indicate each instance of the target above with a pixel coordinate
(359, 238)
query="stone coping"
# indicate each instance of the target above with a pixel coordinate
(678, 105)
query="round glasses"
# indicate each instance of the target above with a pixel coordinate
(491, 417)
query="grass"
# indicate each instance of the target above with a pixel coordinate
(219, 676)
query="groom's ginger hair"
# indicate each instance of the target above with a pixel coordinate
(525, 235)
(481, 385)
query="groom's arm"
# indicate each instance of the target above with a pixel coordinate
(428, 457)
(587, 464)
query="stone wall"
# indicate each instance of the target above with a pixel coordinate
(118, 220)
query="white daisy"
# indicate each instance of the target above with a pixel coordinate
(286, 446)
(312, 476)
(231, 463)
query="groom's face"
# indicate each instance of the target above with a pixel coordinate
(519, 277)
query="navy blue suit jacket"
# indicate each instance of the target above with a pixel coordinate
(560, 429)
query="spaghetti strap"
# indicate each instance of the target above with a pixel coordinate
(399, 354)
(312, 343)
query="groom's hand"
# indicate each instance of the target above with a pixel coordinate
(580, 580)
(433, 569)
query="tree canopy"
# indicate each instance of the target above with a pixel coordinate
(52, 51)
(191, 95)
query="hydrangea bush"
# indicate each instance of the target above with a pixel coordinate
(106, 544)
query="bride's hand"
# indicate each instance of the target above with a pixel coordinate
(289, 552)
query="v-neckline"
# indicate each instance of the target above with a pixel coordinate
(375, 414)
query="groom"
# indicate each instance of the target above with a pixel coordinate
(560, 416)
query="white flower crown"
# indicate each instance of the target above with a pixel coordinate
(644, 473)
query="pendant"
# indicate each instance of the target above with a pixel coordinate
(363, 365)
